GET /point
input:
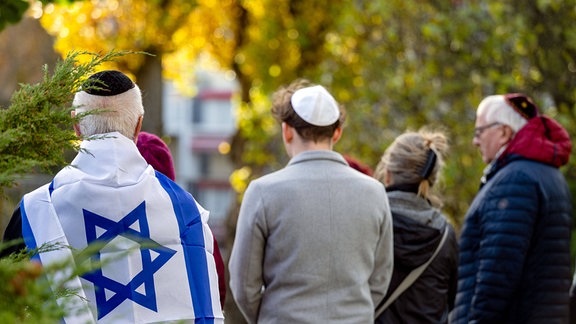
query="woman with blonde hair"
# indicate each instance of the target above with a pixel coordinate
(424, 280)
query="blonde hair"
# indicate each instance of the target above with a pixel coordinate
(408, 156)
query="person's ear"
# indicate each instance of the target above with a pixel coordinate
(138, 128)
(387, 178)
(337, 134)
(507, 133)
(287, 133)
(76, 126)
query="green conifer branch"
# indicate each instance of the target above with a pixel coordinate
(36, 128)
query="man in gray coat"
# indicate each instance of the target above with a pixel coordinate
(314, 239)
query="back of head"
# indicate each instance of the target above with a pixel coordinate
(414, 159)
(310, 109)
(156, 153)
(113, 103)
(513, 109)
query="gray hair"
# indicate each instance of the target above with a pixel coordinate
(495, 109)
(118, 113)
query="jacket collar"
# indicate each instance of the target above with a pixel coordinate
(318, 155)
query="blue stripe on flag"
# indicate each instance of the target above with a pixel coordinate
(51, 188)
(27, 234)
(29, 239)
(192, 238)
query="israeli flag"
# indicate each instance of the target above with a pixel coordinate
(155, 247)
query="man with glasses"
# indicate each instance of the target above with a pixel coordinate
(515, 243)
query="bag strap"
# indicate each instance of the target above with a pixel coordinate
(411, 278)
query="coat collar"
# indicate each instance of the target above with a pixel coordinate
(318, 155)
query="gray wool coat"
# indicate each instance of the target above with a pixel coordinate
(313, 244)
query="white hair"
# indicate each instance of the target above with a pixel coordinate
(495, 109)
(118, 113)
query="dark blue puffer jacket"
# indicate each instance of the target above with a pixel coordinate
(515, 243)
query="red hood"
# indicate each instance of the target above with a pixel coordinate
(542, 139)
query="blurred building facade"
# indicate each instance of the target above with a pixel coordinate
(200, 129)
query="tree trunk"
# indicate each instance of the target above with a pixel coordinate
(149, 79)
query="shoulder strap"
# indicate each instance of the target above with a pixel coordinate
(411, 278)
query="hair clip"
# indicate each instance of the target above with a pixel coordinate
(430, 163)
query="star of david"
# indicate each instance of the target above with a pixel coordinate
(140, 289)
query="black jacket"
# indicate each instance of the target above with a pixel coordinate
(13, 235)
(418, 229)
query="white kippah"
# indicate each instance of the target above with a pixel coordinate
(316, 106)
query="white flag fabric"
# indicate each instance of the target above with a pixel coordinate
(156, 247)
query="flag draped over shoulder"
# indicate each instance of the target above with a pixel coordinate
(154, 244)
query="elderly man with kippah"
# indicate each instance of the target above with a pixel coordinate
(314, 239)
(515, 243)
(152, 240)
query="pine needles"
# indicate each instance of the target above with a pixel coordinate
(36, 128)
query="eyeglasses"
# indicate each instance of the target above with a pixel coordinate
(479, 130)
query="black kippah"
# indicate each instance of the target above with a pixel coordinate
(108, 83)
(522, 104)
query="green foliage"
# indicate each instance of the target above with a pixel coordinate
(36, 128)
(394, 64)
(12, 11)
(26, 294)
(399, 65)
(30, 290)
